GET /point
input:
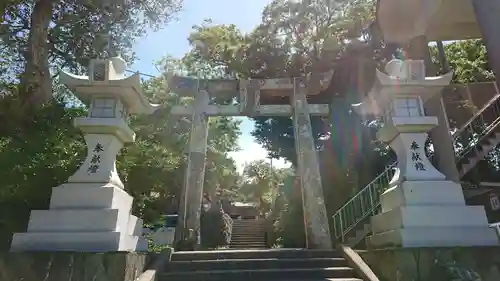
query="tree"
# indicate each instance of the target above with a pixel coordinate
(468, 60)
(33, 161)
(49, 149)
(43, 35)
(260, 183)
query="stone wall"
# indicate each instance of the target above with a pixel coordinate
(61, 266)
(434, 264)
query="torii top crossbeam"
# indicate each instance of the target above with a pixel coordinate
(248, 92)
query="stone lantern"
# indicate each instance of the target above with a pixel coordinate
(420, 208)
(92, 211)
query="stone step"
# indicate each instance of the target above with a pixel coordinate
(248, 231)
(261, 274)
(247, 239)
(245, 236)
(248, 242)
(260, 225)
(254, 254)
(249, 234)
(262, 238)
(249, 224)
(248, 246)
(259, 241)
(237, 264)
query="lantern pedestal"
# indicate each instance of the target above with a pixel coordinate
(92, 211)
(420, 208)
(105, 138)
(429, 214)
(83, 217)
(407, 137)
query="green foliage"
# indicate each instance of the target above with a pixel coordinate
(154, 248)
(450, 270)
(216, 229)
(80, 30)
(288, 227)
(42, 153)
(468, 59)
(38, 144)
(44, 149)
(260, 182)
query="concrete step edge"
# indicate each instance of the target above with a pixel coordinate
(266, 270)
(259, 259)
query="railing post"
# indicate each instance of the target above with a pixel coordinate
(362, 203)
(334, 221)
(341, 227)
(371, 201)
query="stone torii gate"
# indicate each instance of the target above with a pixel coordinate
(249, 92)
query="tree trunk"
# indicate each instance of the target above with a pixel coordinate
(36, 81)
(488, 21)
(442, 57)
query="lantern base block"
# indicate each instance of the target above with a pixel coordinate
(83, 217)
(429, 214)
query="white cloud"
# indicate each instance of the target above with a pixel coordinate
(251, 151)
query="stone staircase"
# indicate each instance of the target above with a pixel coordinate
(248, 234)
(253, 265)
(359, 234)
(473, 141)
(480, 134)
(480, 151)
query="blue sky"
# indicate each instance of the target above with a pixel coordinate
(172, 40)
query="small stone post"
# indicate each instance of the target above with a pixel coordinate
(92, 212)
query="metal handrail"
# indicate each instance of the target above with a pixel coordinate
(482, 135)
(494, 105)
(491, 101)
(468, 126)
(370, 193)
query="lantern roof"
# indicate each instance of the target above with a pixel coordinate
(107, 78)
(404, 78)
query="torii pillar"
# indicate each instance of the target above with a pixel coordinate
(488, 20)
